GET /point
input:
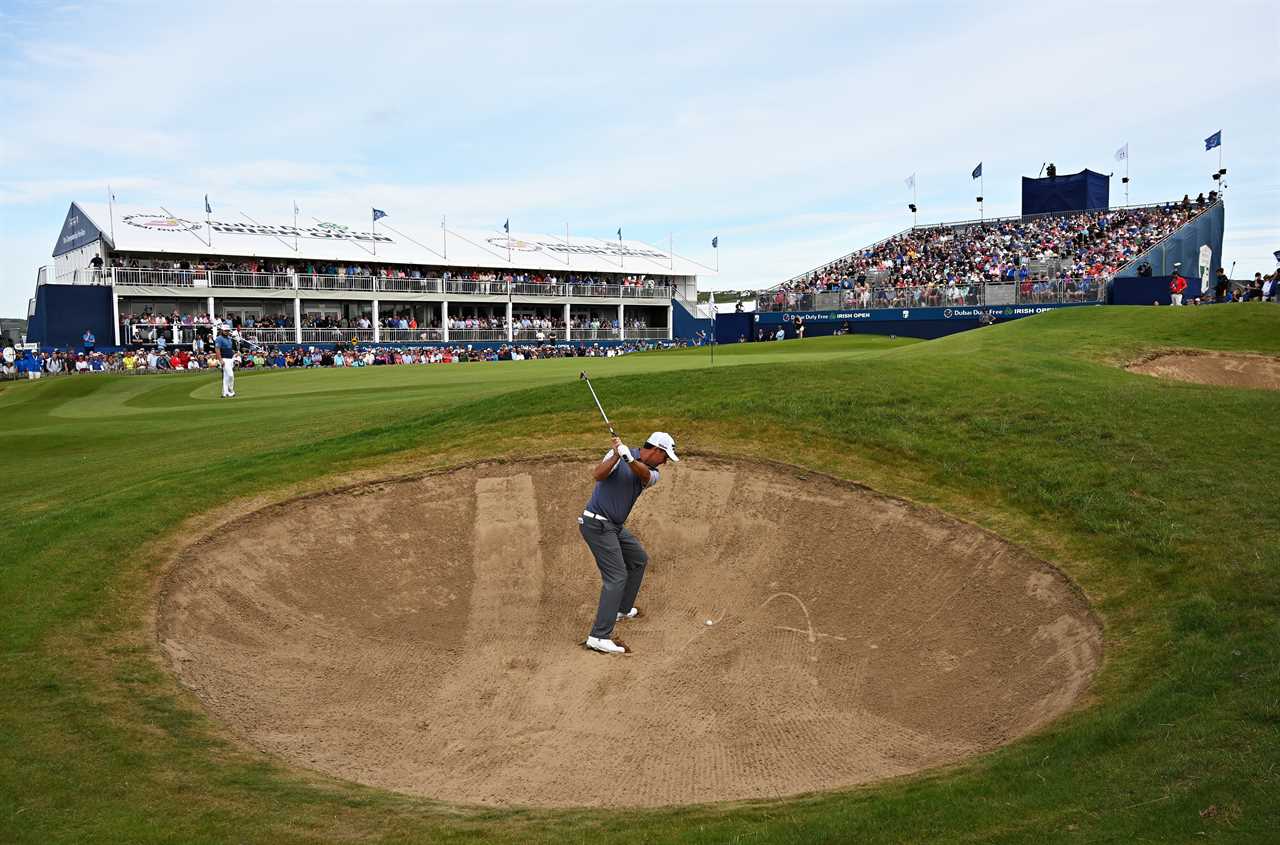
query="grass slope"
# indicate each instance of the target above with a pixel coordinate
(1158, 498)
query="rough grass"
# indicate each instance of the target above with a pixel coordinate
(1158, 498)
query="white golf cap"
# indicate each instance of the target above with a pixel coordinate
(665, 442)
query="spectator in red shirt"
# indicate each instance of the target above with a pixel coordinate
(1176, 286)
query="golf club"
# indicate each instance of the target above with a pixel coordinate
(583, 375)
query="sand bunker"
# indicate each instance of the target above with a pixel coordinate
(1217, 368)
(423, 636)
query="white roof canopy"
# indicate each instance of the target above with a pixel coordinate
(163, 229)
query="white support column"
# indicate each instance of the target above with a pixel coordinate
(444, 320)
(567, 330)
(622, 323)
(213, 317)
(510, 327)
(670, 315)
(297, 320)
(115, 317)
(377, 323)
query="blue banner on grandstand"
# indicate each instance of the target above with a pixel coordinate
(77, 230)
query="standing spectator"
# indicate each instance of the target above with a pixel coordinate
(1176, 286)
(1220, 286)
(96, 264)
(89, 341)
(800, 328)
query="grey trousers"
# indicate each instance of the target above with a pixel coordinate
(621, 561)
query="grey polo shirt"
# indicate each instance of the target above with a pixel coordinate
(614, 497)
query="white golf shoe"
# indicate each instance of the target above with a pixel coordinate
(633, 613)
(607, 646)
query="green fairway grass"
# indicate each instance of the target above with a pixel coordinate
(1160, 499)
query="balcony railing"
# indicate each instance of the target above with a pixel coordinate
(245, 280)
(317, 335)
(465, 335)
(539, 335)
(646, 333)
(269, 336)
(419, 335)
(602, 333)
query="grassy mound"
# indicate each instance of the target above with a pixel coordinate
(1157, 498)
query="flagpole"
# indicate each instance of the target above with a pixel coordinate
(671, 254)
(375, 231)
(915, 201)
(568, 254)
(982, 189)
(111, 212)
(1126, 173)
(444, 237)
(295, 225)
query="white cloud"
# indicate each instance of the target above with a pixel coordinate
(786, 131)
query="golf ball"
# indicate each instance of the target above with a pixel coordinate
(709, 622)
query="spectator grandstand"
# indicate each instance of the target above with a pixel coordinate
(326, 282)
(1053, 258)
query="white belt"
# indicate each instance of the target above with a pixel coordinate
(595, 516)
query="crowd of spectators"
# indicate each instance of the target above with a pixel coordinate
(148, 328)
(1061, 257)
(197, 268)
(33, 365)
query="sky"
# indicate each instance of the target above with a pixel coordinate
(786, 130)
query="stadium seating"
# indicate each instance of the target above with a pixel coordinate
(1041, 259)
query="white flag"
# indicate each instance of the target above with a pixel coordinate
(1122, 153)
(911, 182)
(295, 207)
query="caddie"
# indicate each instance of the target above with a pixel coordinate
(620, 479)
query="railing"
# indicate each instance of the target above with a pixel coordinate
(484, 288)
(245, 280)
(412, 335)
(397, 285)
(145, 333)
(477, 334)
(602, 333)
(539, 335)
(253, 281)
(315, 281)
(646, 333)
(310, 334)
(269, 336)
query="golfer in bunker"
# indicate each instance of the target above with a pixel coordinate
(620, 479)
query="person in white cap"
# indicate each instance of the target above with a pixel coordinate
(620, 479)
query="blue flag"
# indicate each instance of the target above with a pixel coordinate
(977, 171)
(378, 214)
(1214, 140)
(715, 242)
(207, 208)
(1277, 254)
(506, 227)
(619, 233)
